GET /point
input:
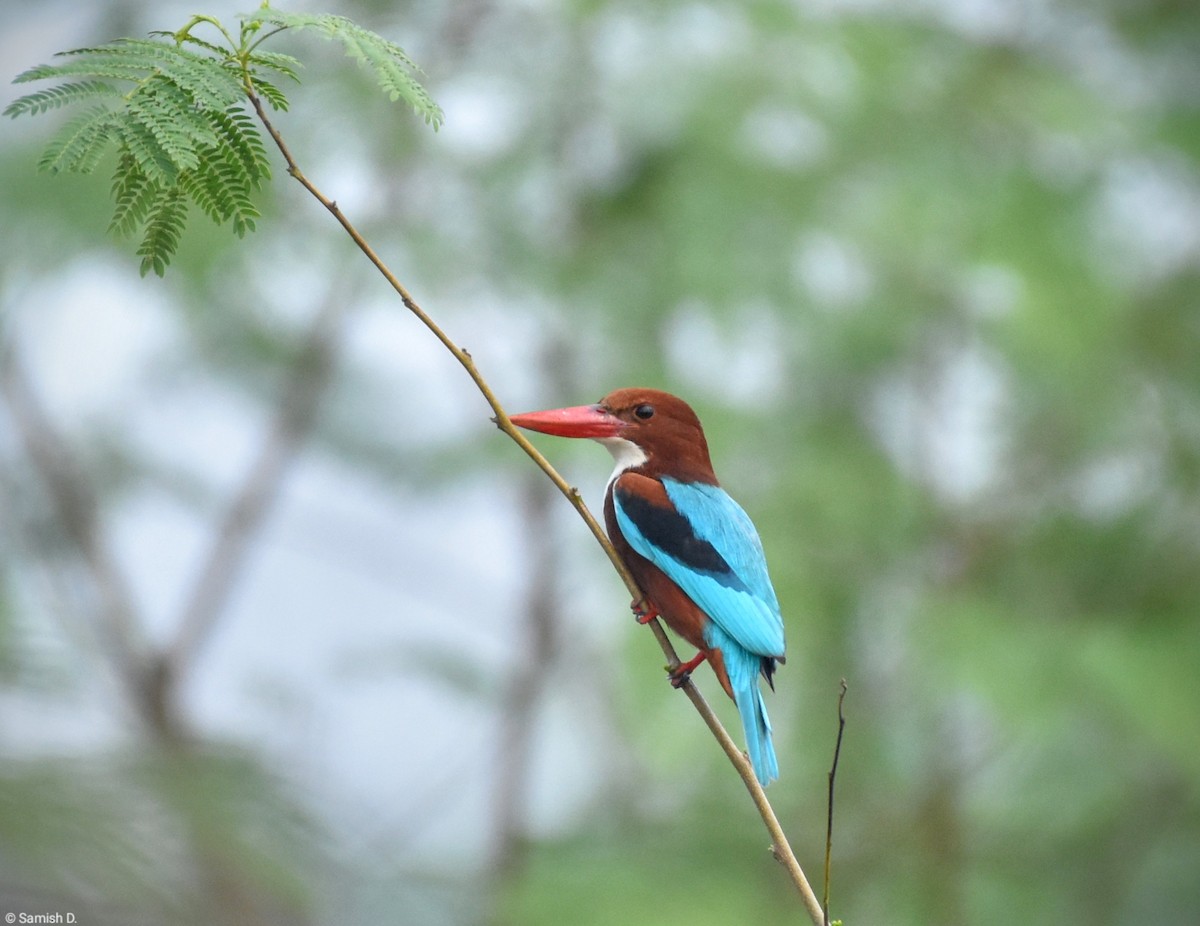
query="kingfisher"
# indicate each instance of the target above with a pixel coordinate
(692, 549)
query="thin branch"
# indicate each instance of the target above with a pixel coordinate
(837, 752)
(780, 847)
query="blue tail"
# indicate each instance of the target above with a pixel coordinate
(743, 668)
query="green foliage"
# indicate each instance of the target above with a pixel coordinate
(388, 60)
(182, 132)
(178, 132)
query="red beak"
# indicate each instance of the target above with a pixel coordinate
(580, 421)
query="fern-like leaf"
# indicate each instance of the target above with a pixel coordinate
(139, 142)
(81, 143)
(241, 162)
(235, 131)
(207, 190)
(99, 64)
(392, 66)
(179, 132)
(62, 95)
(280, 63)
(270, 93)
(164, 225)
(173, 106)
(175, 141)
(206, 79)
(134, 193)
(191, 118)
(188, 39)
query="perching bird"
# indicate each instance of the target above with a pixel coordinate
(692, 549)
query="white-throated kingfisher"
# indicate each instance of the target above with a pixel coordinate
(692, 549)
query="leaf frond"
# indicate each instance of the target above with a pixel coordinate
(207, 190)
(167, 213)
(282, 64)
(133, 193)
(236, 133)
(161, 109)
(271, 93)
(151, 159)
(393, 68)
(215, 50)
(63, 95)
(206, 78)
(81, 142)
(173, 106)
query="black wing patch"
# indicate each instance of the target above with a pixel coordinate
(671, 532)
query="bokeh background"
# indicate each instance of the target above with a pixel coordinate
(289, 633)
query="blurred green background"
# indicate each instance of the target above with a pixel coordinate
(290, 634)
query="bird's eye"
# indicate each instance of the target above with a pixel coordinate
(644, 411)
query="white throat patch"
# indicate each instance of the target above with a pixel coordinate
(625, 453)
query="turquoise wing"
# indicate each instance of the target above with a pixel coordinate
(707, 545)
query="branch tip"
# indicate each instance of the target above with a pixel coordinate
(837, 751)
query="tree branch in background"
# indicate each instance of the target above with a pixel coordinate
(780, 847)
(536, 646)
(300, 397)
(118, 625)
(153, 679)
(150, 679)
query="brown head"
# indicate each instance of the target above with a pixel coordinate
(647, 430)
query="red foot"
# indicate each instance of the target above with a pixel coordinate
(643, 610)
(680, 673)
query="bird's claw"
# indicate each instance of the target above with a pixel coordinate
(682, 672)
(643, 610)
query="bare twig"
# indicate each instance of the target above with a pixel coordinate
(780, 847)
(837, 752)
